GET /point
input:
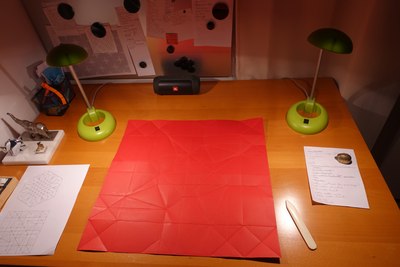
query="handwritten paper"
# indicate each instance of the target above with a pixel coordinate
(36, 213)
(334, 177)
(133, 37)
(165, 16)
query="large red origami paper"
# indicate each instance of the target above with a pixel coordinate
(197, 188)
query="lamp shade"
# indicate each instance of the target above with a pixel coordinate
(331, 40)
(65, 55)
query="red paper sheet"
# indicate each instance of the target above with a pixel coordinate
(197, 188)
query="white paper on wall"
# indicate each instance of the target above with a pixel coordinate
(100, 64)
(105, 44)
(141, 60)
(55, 20)
(170, 17)
(131, 32)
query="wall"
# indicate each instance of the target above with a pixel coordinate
(271, 43)
(20, 50)
(371, 81)
(271, 37)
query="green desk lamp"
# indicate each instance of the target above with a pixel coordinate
(308, 116)
(96, 124)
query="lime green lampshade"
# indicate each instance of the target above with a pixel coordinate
(65, 55)
(331, 40)
(94, 125)
(308, 116)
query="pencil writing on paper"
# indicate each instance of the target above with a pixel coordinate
(334, 177)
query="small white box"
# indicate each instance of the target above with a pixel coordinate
(29, 156)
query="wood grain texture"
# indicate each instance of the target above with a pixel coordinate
(345, 236)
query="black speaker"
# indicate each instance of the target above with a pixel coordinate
(176, 85)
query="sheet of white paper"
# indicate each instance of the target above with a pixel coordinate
(89, 11)
(34, 217)
(50, 11)
(85, 12)
(133, 35)
(334, 177)
(105, 44)
(100, 64)
(142, 60)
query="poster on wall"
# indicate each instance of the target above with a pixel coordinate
(144, 38)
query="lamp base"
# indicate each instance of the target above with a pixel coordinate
(307, 117)
(95, 125)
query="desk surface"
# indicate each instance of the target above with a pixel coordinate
(345, 236)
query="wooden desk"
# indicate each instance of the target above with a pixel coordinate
(345, 236)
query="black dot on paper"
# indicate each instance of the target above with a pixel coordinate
(132, 6)
(142, 64)
(170, 49)
(220, 11)
(210, 25)
(98, 30)
(65, 11)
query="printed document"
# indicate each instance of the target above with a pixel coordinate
(35, 215)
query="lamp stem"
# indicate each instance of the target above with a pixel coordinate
(316, 75)
(71, 68)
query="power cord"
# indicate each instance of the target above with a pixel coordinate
(298, 85)
(96, 91)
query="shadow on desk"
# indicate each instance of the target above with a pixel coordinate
(207, 86)
(265, 260)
